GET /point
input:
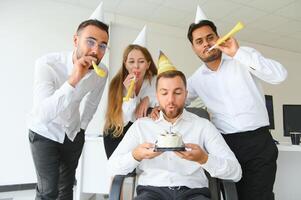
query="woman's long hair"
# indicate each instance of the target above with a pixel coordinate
(114, 121)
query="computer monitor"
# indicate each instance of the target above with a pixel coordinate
(291, 119)
(270, 109)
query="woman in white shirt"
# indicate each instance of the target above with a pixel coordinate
(137, 64)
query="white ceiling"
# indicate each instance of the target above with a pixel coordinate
(274, 23)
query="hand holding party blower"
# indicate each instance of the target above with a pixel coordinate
(234, 30)
(130, 90)
(99, 72)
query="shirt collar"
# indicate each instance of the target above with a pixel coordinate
(206, 70)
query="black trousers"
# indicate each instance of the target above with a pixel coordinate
(55, 165)
(171, 193)
(111, 142)
(257, 154)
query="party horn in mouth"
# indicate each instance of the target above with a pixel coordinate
(130, 90)
(234, 30)
(99, 72)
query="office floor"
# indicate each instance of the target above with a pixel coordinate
(30, 195)
(18, 195)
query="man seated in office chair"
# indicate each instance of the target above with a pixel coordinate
(171, 174)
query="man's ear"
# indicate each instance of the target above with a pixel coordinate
(75, 40)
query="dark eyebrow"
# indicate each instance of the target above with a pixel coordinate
(200, 38)
(210, 35)
(176, 89)
(91, 38)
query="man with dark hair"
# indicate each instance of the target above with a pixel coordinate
(194, 26)
(56, 125)
(174, 175)
(229, 85)
(92, 22)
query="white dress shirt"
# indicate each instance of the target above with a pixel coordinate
(168, 169)
(56, 103)
(233, 94)
(148, 89)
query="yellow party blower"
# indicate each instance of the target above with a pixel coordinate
(99, 72)
(234, 30)
(130, 90)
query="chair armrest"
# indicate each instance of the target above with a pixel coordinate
(116, 187)
(229, 190)
(214, 187)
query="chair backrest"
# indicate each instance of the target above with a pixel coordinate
(199, 112)
(214, 184)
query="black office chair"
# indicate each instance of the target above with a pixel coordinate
(216, 186)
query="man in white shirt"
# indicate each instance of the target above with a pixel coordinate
(229, 85)
(56, 126)
(174, 175)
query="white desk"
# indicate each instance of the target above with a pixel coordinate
(288, 176)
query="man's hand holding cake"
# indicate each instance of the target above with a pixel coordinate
(194, 153)
(145, 151)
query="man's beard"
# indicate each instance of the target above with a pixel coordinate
(80, 54)
(174, 114)
(212, 57)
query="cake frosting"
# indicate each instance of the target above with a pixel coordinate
(169, 140)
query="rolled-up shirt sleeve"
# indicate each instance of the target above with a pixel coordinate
(49, 101)
(265, 69)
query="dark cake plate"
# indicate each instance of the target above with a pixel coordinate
(162, 149)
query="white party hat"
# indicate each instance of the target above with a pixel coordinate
(98, 13)
(141, 38)
(200, 15)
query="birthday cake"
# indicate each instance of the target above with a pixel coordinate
(169, 142)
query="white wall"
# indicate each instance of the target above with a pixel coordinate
(32, 28)
(28, 30)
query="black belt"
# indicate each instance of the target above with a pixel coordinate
(261, 129)
(178, 188)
